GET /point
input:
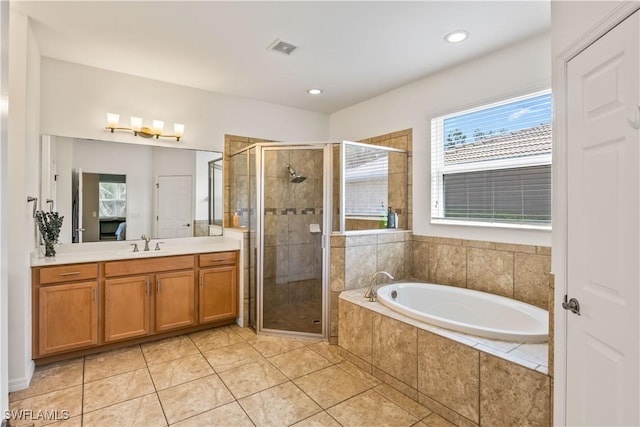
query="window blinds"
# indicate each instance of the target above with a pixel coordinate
(493, 163)
(366, 181)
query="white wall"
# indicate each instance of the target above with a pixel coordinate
(23, 179)
(76, 98)
(514, 70)
(4, 279)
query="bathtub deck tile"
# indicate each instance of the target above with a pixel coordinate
(535, 353)
(506, 356)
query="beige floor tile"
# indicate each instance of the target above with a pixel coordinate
(232, 356)
(359, 373)
(371, 408)
(246, 332)
(321, 419)
(212, 339)
(270, 346)
(230, 414)
(299, 362)
(108, 363)
(168, 349)
(68, 422)
(115, 389)
(142, 411)
(279, 406)
(67, 401)
(403, 401)
(193, 398)
(252, 378)
(179, 371)
(328, 351)
(434, 420)
(52, 377)
(331, 385)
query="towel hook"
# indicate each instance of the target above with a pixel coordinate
(35, 204)
(50, 202)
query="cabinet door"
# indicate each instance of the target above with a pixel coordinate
(218, 294)
(175, 300)
(126, 308)
(68, 317)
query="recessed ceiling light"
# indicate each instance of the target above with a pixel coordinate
(314, 91)
(456, 36)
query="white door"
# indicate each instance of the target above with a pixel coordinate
(603, 231)
(76, 206)
(174, 207)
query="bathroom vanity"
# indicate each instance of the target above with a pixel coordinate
(119, 298)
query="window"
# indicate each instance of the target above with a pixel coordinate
(366, 181)
(492, 164)
(112, 195)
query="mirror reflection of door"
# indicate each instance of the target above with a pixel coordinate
(175, 203)
(103, 207)
(76, 206)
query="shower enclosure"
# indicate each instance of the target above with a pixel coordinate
(288, 196)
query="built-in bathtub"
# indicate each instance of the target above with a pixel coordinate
(467, 379)
(468, 311)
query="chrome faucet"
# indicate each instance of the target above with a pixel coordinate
(371, 292)
(146, 242)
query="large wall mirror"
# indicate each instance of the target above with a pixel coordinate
(110, 191)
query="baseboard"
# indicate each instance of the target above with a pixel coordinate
(17, 384)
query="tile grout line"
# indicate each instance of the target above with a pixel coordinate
(146, 364)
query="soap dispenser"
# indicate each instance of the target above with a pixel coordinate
(392, 218)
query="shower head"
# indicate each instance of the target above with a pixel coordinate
(295, 178)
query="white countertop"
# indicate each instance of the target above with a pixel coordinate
(71, 253)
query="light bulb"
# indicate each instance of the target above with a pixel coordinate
(158, 126)
(112, 120)
(178, 130)
(136, 123)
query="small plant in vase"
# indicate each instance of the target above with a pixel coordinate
(49, 224)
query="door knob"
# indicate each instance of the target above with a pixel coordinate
(186, 225)
(572, 305)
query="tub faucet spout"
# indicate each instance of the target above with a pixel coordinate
(371, 292)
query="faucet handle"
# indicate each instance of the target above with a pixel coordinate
(135, 247)
(158, 246)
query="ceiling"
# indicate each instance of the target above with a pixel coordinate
(352, 50)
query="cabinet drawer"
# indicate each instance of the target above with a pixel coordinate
(149, 265)
(218, 258)
(68, 273)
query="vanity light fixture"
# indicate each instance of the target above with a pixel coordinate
(156, 130)
(456, 36)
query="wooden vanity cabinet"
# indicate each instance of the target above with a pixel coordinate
(65, 308)
(81, 308)
(175, 301)
(218, 284)
(144, 292)
(126, 307)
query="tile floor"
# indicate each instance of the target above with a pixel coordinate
(219, 377)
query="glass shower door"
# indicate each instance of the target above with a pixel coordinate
(291, 239)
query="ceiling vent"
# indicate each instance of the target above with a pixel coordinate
(282, 47)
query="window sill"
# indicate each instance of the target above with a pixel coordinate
(437, 221)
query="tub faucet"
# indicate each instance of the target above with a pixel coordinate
(371, 292)
(146, 242)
